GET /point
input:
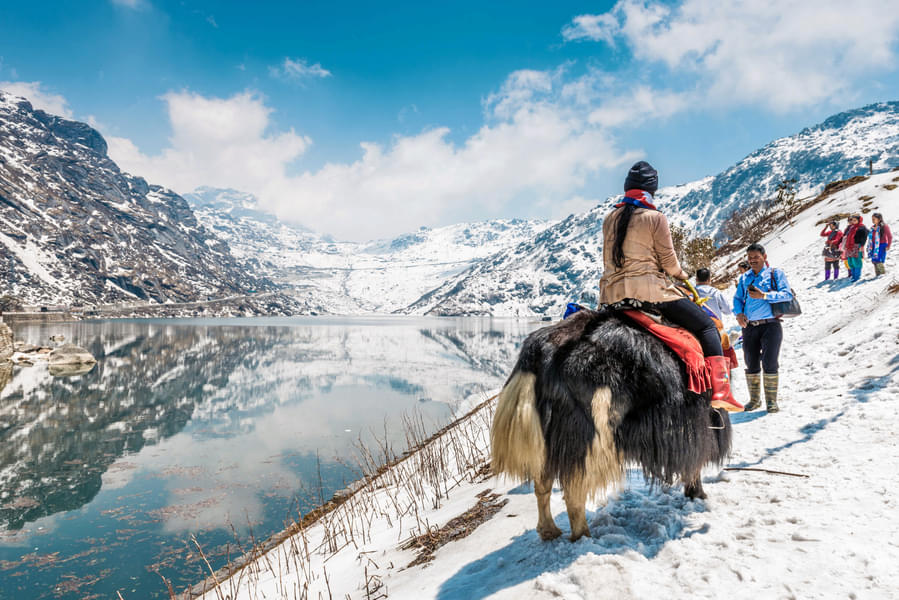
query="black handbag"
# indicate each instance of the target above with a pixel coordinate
(787, 308)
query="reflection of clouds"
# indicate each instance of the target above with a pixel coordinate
(33, 533)
(119, 474)
(221, 481)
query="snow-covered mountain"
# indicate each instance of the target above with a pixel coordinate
(561, 264)
(347, 277)
(564, 263)
(74, 229)
(838, 148)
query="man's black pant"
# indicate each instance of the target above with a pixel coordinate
(761, 346)
(685, 313)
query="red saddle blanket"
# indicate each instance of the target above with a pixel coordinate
(684, 344)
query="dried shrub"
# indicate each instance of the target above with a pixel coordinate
(10, 303)
(699, 252)
(749, 224)
(890, 186)
(841, 184)
(692, 253)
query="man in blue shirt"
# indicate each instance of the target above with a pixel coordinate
(757, 288)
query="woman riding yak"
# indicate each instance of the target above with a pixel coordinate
(638, 257)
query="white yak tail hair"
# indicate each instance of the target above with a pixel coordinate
(516, 437)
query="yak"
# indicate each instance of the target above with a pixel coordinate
(589, 396)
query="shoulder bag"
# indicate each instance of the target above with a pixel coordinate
(787, 308)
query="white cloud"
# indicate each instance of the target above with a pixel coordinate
(592, 27)
(298, 69)
(521, 89)
(214, 141)
(39, 98)
(639, 104)
(780, 54)
(534, 149)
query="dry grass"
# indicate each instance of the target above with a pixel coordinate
(835, 186)
(890, 186)
(396, 489)
(462, 526)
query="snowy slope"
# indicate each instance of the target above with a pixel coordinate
(829, 533)
(564, 264)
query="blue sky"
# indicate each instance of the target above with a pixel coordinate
(367, 120)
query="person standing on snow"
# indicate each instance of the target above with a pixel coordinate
(832, 251)
(762, 331)
(879, 241)
(638, 259)
(716, 303)
(853, 245)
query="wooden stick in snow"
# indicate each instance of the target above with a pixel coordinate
(764, 471)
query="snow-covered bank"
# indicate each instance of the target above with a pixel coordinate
(829, 534)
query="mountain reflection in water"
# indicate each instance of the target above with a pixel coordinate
(209, 428)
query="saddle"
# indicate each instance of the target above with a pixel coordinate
(685, 346)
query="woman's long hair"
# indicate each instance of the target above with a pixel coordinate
(621, 225)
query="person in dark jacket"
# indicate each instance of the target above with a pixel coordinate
(832, 251)
(853, 245)
(879, 241)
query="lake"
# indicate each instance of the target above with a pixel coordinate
(218, 430)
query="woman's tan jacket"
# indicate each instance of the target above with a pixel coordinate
(648, 257)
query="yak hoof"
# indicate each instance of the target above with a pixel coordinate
(549, 532)
(693, 490)
(576, 535)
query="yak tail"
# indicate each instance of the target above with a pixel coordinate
(516, 437)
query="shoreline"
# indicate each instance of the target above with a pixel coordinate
(217, 579)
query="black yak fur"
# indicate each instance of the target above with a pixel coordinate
(602, 393)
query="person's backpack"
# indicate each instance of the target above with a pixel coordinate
(861, 235)
(787, 308)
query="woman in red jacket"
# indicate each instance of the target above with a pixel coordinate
(832, 251)
(853, 245)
